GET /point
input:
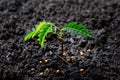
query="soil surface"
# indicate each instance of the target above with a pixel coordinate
(96, 58)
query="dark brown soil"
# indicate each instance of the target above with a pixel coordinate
(18, 57)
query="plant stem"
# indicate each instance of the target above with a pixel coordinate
(61, 41)
(60, 37)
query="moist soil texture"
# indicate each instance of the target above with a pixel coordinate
(96, 58)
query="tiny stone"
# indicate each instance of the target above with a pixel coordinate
(50, 52)
(81, 70)
(88, 50)
(68, 60)
(32, 69)
(64, 54)
(57, 71)
(72, 57)
(46, 61)
(46, 69)
(81, 53)
(40, 62)
(41, 73)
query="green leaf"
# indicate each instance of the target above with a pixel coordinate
(29, 34)
(34, 32)
(38, 27)
(77, 29)
(86, 32)
(43, 33)
(41, 30)
(72, 24)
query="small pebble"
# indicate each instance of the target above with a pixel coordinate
(46, 69)
(64, 54)
(81, 53)
(40, 62)
(58, 71)
(68, 60)
(72, 57)
(33, 69)
(41, 74)
(50, 52)
(46, 61)
(89, 50)
(81, 70)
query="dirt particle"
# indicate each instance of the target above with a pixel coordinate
(46, 61)
(68, 60)
(33, 69)
(72, 58)
(41, 74)
(47, 69)
(81, 53)
(89, 50)
(57, 71)
(40, 62)
(81, 70)
(64, 54)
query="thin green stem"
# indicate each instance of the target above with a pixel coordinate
(60, 37)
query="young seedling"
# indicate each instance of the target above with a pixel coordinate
(44, 28)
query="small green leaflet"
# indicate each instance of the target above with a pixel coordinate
(29, 34)
(77, 29)
(43, 33)
(41, 30)
(38, 27)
